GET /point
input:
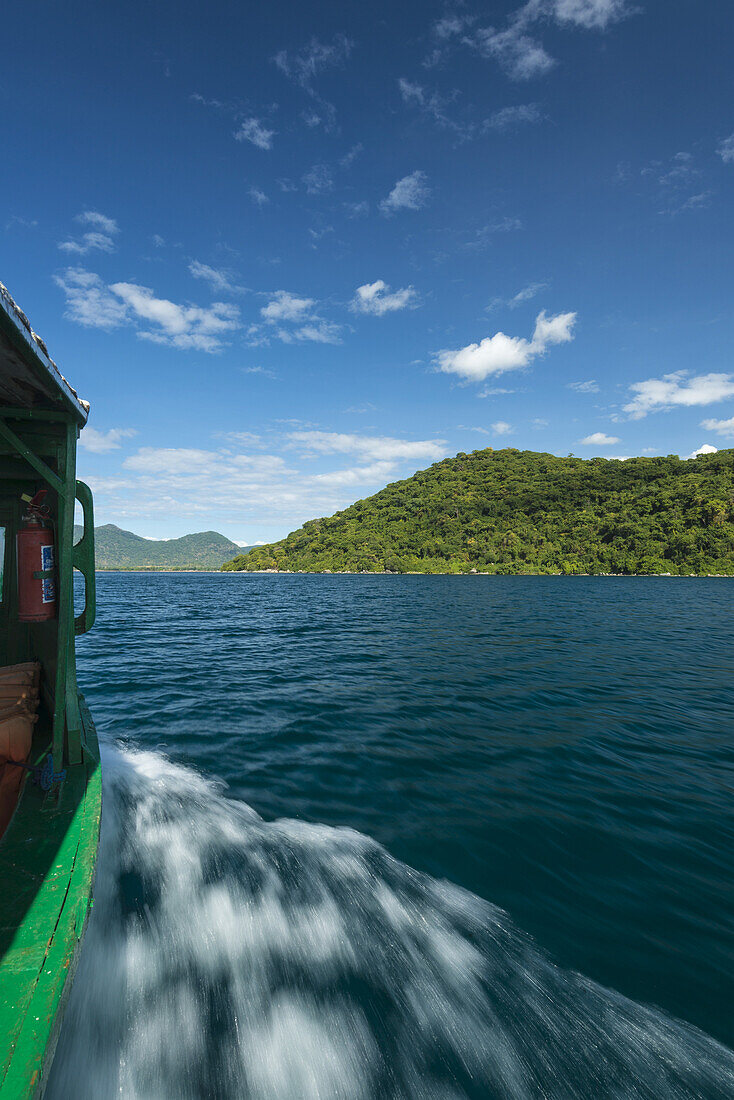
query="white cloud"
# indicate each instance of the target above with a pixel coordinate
(88, 301)
(483, 236)
(722, 427)
(501, 427)
(258, 197)
(726, 150)
(102, 442)
(179, 326)
(98, 238)
(99, 221)
(409, 193)
(316, 331)
(434, 105)
(349, 158)
(377, 298)
(284, 306)
(371, 448)
(287, 308)
(589, 14)
(509, 118)
(318, 180)
(704, 449)
(521, 56)
(358, 475)
(88, 242)
(200, 482)
(217, 278)
(252, 130)
(526, 294)
(303, 67)
(656, 394)
(500, 353)
(599, 439)
(590, 386)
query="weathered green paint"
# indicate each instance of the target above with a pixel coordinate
(47, 863)
(25, 452)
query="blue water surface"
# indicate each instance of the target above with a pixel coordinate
(559, 746)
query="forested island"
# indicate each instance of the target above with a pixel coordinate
(511, 511)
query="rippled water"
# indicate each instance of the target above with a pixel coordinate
(557, 748)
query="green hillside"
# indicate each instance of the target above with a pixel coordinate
(118, 549)
(515, 511)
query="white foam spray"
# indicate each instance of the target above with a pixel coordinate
(232, 957)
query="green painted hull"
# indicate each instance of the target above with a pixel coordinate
(47, 864)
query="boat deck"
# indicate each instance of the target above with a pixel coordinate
(47, 862)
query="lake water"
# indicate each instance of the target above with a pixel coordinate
(428, 837)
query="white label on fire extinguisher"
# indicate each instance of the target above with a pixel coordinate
(48, 586)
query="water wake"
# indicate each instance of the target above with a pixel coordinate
(232, 957)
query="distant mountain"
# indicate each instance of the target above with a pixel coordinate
(118, 549)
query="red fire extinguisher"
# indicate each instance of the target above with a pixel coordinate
(36, 563)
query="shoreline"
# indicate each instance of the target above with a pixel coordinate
(350, 573)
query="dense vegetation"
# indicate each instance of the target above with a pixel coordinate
(118, 549)
(515, 511)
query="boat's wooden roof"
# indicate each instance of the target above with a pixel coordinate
(29, 378)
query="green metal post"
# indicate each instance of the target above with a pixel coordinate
(67, 720)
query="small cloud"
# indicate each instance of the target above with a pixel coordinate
(178, 326)
(218, 279)
(500, 353)
(726, 150)
(704, 449)
(525, 295)
(521, 56)
(409, 193)
(511, 118)
(98, 238)
(675, 390)
(435, 106)
(589, 386)
(24, 223)
(317, 331)
(305, 66)
(98, 221)
(377, 298)
(284, 306)
(722, 427)
(259, 370)
(318, 180)
(483, 236)
(599, 439)
(287, 308)
(252, 130)
(101, 442)
(501, 427)
(349, 158)
(90, 302)
(158, 240)
(357, 209)
(258, 197)
(494, 391)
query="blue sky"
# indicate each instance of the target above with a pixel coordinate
(291, 253)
